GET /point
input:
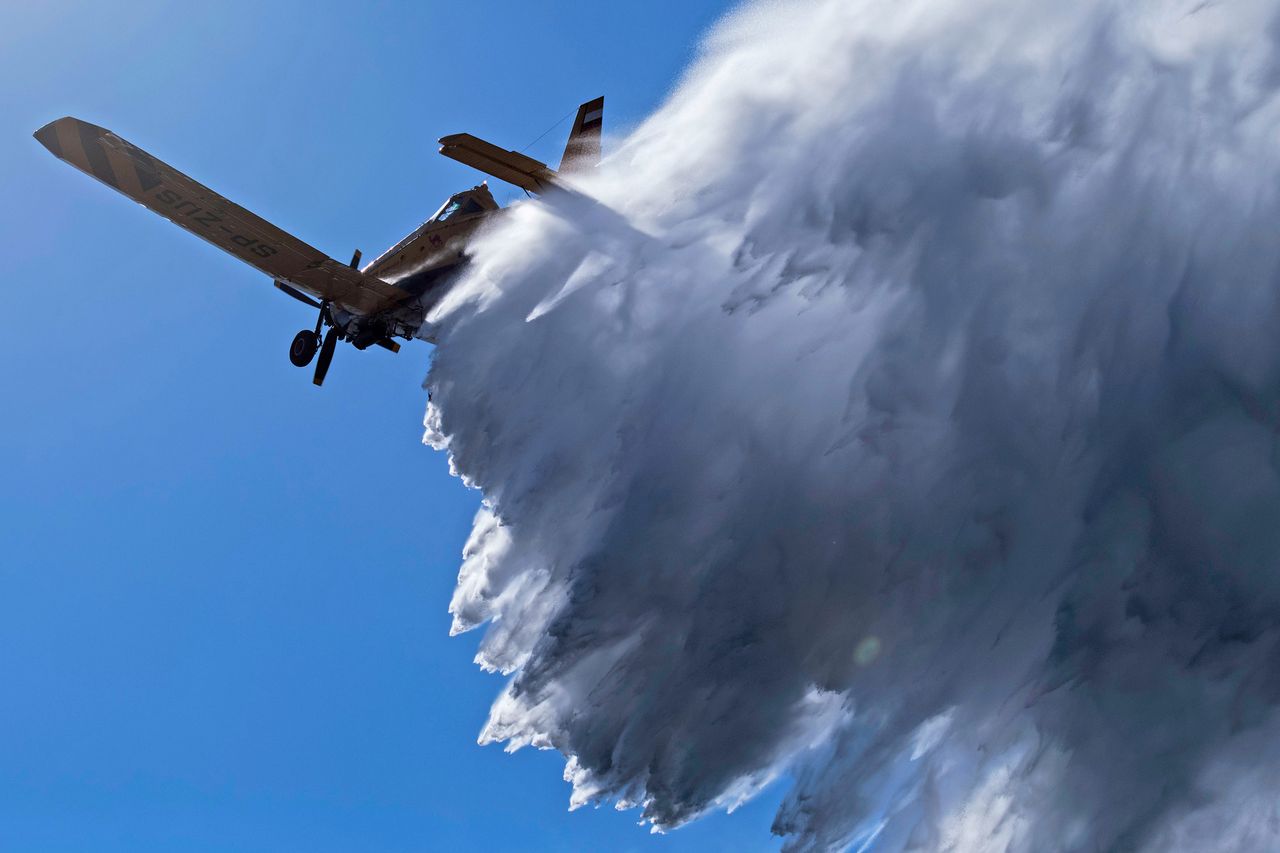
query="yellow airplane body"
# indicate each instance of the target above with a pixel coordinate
(388, 298)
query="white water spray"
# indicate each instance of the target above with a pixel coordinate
(904, 417)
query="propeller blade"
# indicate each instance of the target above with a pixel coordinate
(326, 355)
(355, 260)
(296, 294)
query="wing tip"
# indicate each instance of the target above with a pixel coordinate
(48, 136)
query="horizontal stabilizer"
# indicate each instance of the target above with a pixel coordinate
(510, 166)
(189, 204)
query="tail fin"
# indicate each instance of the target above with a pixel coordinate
(583, 149)
(582, 152)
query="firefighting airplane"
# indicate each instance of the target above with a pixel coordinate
(367, 306)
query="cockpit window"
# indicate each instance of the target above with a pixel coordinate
(459, 207)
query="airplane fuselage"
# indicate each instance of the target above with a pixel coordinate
(424, 265)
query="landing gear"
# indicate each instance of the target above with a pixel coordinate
(303, 348)
(326, 356)
(307, 342)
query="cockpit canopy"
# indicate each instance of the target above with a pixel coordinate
(466, 203)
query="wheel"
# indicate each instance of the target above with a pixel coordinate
(304, 347)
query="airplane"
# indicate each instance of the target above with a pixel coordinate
(366, 306)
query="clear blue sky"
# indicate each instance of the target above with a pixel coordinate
(223, 592)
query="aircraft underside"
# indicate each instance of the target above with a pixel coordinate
(405, 320)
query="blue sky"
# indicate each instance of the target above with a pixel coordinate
(223, 592)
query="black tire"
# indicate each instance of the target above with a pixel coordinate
(303, 348)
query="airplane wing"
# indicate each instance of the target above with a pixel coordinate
(189, 204)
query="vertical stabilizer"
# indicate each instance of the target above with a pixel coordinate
(583, 148)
